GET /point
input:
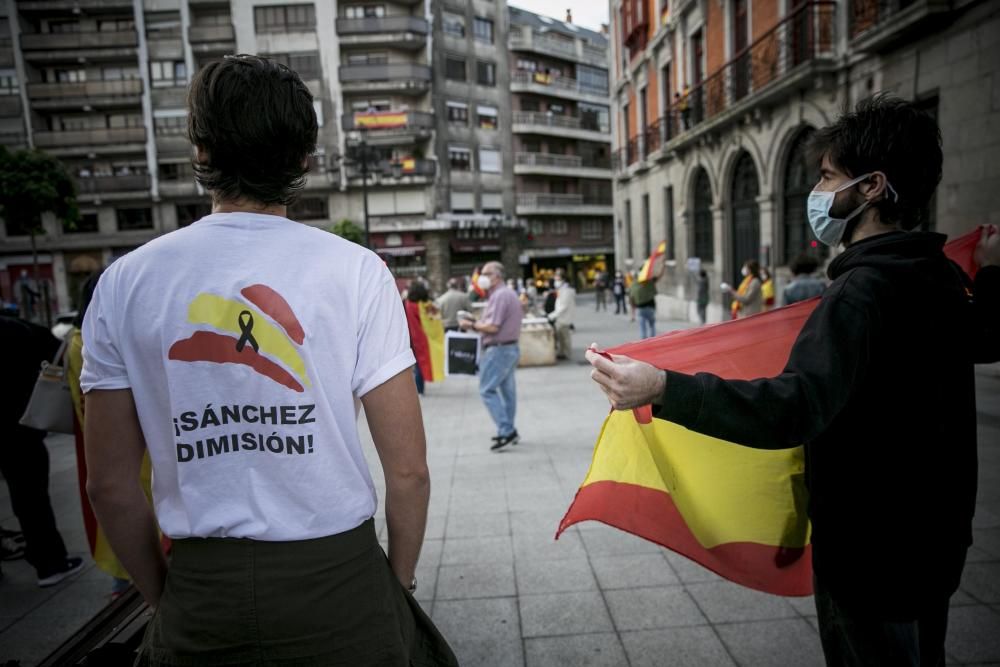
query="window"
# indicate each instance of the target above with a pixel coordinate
(309, 208)
(364, 11)
(115, 25)
(174, 124)
(306, 63)
(702, 241)
(487, 117)
(482, 30)
(8, 82)
(537, 227)
(134, 218)
(591, 229)
(176, 171)
(463, 202)
(163, 25)
(530, 104)
(668, 217)
(592, 78)
(458, 113)
(286, 18)
(628, 229)
(373, 58)
(460, 158)
(453, 24)
(558, 228)
(165, 73)
(486, 73)
(87, 224)
(526, 65)
(454, 68)
(489, 160)
(593, 117)
(492, 202)
(63, 27)
(120, 120)
(70, 75)
(647, 231)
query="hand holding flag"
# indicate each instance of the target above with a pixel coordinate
(628, 383)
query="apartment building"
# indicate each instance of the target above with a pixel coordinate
(715, 101)
(561, 146)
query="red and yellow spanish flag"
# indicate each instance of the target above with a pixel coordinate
(647, 272)
(739, 511)
(426, 339)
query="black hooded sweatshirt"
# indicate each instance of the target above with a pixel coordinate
(880, 389)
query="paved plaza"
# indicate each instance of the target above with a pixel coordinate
(506, 594)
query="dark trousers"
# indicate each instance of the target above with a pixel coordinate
(853, 637)
(620, 306)
(24, 464)
(602, 298)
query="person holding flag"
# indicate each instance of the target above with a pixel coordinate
(878, 387)
(642, 293)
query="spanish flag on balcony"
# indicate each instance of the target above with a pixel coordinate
(739, 511)
(426, 339)
(647, 272)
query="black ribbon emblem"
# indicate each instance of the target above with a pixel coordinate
(246, 327)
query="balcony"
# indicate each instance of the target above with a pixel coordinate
(93, 93)
(549, 164)
(10, 106)
(212, 38)
(783, 61)
(98, 138)
(390, 128)
(173, 145)
(878, 25)
(387, 173)
(563, 204)
(573, 50)
(79, 40)
(543, 83)
(93, 185)
(73, 6)
(399, 78)
(400, 32)
(569, 127)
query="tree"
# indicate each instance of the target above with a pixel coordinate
(348, 230)
(32, 183)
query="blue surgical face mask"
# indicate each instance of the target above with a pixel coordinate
(830, 230)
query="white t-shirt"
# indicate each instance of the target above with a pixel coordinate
(245, 340)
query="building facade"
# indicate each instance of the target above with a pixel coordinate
(561, 146)
(715, 101)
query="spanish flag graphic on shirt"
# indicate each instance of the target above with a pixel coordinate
(259, 331)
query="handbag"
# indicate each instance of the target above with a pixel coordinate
(50, 407)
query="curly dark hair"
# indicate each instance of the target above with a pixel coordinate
(888, 134)
(417, 291)
(254, 124)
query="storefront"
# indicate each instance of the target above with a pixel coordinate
(581, 267)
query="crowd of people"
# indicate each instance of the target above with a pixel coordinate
(258, 476)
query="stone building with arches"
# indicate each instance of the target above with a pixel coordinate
(714, 103)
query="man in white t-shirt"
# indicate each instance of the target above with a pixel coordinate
(235, 350)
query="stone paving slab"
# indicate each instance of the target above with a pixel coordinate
(505, 593)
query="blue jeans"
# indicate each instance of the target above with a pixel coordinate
(496, 385)
(647, 321)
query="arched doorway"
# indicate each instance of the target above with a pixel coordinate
(744, 215)
(703, 242)
(800, 178)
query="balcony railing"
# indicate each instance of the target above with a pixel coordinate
(880, 21)
(556, 120)
(805, 35)
(559, 161)
(98, 137)
(387, 169)
(121, 87)
(409, 121)
(106, 184)
(556, 83)
(546, 200)
(72, 5)
(202, 34)
(383, 24)
(395, 75)
(78, 40)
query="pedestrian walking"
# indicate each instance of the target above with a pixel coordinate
(879, 377)
(500, 326)
(643, 298)
(619, 292)
(702, 298)
(234, 351)
(601, 290)
(804, 284)
(747, 299)
(452, 301)
(24, 460)
(562, 315)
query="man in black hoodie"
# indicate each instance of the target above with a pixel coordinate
(879, 387)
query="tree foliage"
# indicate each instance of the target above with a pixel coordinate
(348, 230)
(32, 183)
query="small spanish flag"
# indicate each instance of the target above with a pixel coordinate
(739, 511)
(647, 272)
(426, 339)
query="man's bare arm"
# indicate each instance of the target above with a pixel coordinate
(397, 427)
(115, 446)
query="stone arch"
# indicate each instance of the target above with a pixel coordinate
(701, 200)
(794, 178)
(743, 212)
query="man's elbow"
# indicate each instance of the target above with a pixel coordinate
(105, 492)
(417, 475)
